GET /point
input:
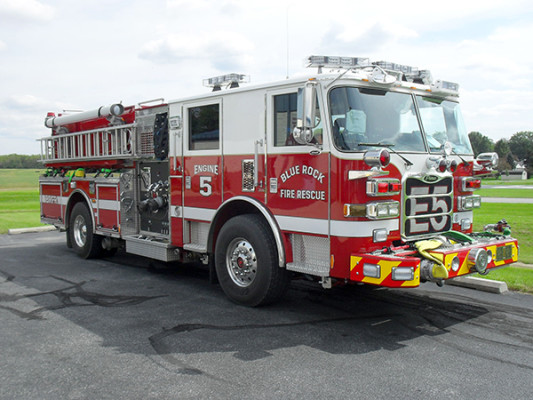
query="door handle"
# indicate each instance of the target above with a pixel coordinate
(257, 143)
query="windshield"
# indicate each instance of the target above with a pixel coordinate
(362, 116)
(443, 122)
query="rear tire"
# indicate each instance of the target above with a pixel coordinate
(81, 231)
(246, 261)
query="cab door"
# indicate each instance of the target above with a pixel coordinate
(298, 185)
(298, 175)
(202, 169)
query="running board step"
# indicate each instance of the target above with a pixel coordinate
(152, 248)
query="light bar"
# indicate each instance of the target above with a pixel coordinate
(424, 76)
(390, 66)
(411, 74)
(337, 62)
(406, 73)
(227, 79)
(445, 87)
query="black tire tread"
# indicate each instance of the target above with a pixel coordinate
(277, 278)
(93, 245)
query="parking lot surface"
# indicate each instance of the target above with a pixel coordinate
(126, 328)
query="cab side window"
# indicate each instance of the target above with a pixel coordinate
(285, 106)
(204, 127)
(285, 118)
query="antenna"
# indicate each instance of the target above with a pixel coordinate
(287, 13)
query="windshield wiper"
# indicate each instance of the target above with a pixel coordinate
(466, 163)
(390, 147)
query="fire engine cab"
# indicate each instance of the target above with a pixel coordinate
(363, 174)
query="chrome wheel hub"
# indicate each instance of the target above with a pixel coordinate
(80, 231)
(241, 262)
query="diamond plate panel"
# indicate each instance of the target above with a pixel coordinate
(310, 255)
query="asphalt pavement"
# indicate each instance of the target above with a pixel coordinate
(128, 328)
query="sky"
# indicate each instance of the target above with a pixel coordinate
(82, 54)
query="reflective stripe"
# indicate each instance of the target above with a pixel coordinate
(45, 198)
(310, 225)
(200, 214)
(48, 199)
(307, 225)
(363, 228)
(108, 205)
(338, 228)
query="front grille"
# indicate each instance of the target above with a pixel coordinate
(428, 206)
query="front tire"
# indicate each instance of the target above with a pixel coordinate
(81, 231)
(246, 261)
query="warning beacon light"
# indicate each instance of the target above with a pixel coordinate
(230, 80)
(385, 72)
(337, 62)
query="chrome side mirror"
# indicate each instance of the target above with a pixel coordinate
(306, 114)
(302, 135)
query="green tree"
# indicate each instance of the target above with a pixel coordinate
(506, 163)
(20, 161)
(521, 144)
(502, 148)
(480, 143)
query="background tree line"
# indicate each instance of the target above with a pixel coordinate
(519, 148)
(20, 161)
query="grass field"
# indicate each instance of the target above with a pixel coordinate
(505, 183)
(19, 199)
(16, 179)
(518, 279)
(516, 193)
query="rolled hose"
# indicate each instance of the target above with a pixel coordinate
(439, 271)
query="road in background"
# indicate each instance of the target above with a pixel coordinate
(122, 328)
(510, 200)
(507, 187)
(486, 199)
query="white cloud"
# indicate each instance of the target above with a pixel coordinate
(134, 50)
(205, 4)
(25, 10)
(221, 50)
(364, 38)
(24, 101)
(498, 113)
(22, 122)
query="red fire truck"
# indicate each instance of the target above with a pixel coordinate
(362, 174)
